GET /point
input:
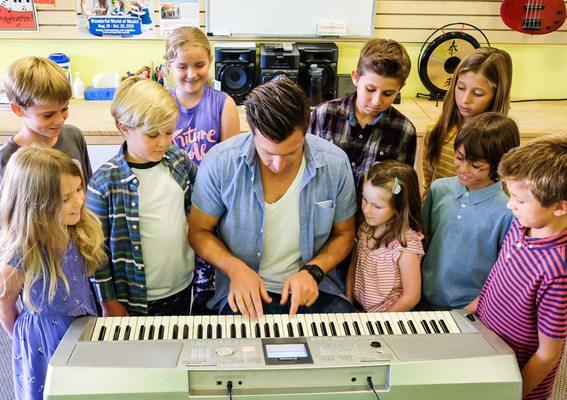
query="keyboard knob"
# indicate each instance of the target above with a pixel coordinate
(375, 344)
(225, 351)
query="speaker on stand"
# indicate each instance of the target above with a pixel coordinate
(326, 56)
(438, 59)
(235, 69)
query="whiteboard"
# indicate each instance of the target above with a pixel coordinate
(288, 18)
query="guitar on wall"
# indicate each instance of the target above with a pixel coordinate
(534, 17)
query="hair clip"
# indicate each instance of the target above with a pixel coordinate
(396, 188)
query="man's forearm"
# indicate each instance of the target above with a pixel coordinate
(334, 251)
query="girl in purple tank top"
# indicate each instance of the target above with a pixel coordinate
(206, 117)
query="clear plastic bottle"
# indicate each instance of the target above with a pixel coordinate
(78, 87)
(315, 83)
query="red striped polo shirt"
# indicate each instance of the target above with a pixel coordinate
(526, 292)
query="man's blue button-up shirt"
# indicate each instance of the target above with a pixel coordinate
(229, 187)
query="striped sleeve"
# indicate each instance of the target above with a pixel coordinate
(552, 310)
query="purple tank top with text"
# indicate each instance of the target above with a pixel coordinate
(200, 125)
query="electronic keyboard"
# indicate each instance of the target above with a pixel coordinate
(411, 355)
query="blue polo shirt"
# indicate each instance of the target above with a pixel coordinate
(465, 231)
(229, 187)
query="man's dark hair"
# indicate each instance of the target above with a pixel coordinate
(277, 108)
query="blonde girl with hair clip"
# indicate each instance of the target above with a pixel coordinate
(480, 83)
(206, 117)
(384, 273)
(49, 245)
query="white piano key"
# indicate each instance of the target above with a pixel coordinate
(362, 319)
(392, 318)
(107, 328)
(156, 324)
(307, 327)
(184, 321)
(96, 331)
(415, 318)
(301, 320)
(215, 321)
(449, 321)
(360, 322)
(284, 319)
(237, 324)
(424, 318)
(326, 324)
(380, 317)
(226, 321)
(165, 321)
(401, 319)
(122, 324)
(334, 322)
(433, 316)
(172, 322)
(340, 322)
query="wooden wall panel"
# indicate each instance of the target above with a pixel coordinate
(404, 20)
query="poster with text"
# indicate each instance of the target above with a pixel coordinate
(115, 18)
(175, 13)
(18, 15)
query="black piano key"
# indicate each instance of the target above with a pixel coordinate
(232, 331)
(412, 327)
(219, 331)
(102, 333)
(185, 331)
(333, 330)
(127, 332)
(370, 328)
(257, 330)
(434, 326)
(356, 328)
(243, 330)
(175, 331)
(276, 330)
(402, 327)
(116, 333)
(314, 329)
(324, 329)
(209, 331)
(289, 329)
(161, 331)
(142, 332)
(379, 327)
(151, 333)
(425, 326)
(346, 328)
(300, 330)
(200, 331)
(388, 328)
(443, 326)
(266, 330)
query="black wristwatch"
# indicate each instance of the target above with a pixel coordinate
(315, 271)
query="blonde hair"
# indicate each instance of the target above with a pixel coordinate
(183, 37)
(541, 165)
(495, 66)
(384, 57)
(406, 203)
(142, 103)
(32, 81)
(33, 231)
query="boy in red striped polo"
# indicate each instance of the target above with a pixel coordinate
(524, 299)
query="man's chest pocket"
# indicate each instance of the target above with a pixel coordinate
(324, 217)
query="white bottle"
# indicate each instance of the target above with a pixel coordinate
(78, 87)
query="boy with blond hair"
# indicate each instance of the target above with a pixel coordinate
(524, 299)
(143, 197)
(364, 124)
(39, 93)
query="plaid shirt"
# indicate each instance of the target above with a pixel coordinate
(113, 196)
(389, 136)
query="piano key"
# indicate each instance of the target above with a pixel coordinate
(392, 318)
(306, 321)
(109, 331)
(353, 325)
(325, 325)
(433, 321)
(237, 322)
(151, 332)
(116, 334)
(149, 327)
(413, 317)
(164, 327)
(243, 330)
(315, 325)
(335, 328)
(169, 323)
(228, 322)
(292, 326)
(361, 321)
(380, 324)
(268, 325)
(425, 322)
(257, 330)
(279, 330)
(209, 331)
(139, 325)
(403, 324)
(96, 331)
(115, 322)
(449, 321)
(343, 325)
(302, 330)
(197, 321)
(213, 321)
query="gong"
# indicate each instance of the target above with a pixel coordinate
(441, 57)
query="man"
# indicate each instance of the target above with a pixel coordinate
(284, 206)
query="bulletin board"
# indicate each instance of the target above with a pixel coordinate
(289, 18)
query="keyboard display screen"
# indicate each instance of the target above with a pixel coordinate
(286, 351)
